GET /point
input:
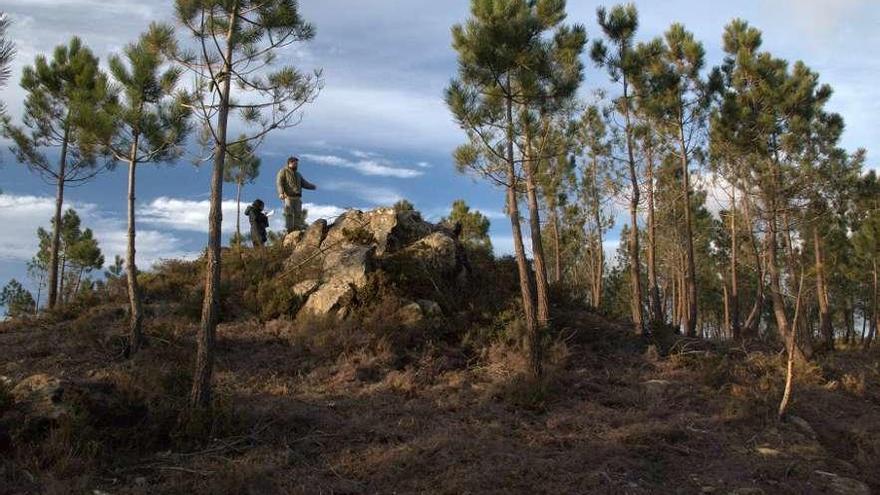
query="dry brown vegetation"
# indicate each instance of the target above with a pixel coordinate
(372, 406)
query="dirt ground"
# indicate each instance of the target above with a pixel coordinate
(301, 410)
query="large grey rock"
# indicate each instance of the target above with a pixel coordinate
(388, 229)
(330, 298)
(306, 244)
(305, 288)
(336, 261)
(436, 252)
(349, 265)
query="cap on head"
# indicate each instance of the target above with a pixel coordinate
(293, 159)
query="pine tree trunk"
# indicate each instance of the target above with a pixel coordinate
(537, 241)
(690, 321)
(875, 306)
(735, 328)
(238, 214)
(56, 234)
(635, 266)
(525, 279)
(806, 342)
(135, 339)
(557, 256)
(825, 325)
(782, 323)
(753, 321)
(654, 290)
(792, 345)
(62, 297)
(725, 298)
(599, 251)
(200, 397)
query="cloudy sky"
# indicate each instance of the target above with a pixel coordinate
(379, 131)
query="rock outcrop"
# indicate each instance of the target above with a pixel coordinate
(332, 263)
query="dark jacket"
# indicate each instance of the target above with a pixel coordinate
(259, 222)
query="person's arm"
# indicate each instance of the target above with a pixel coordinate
(307, 185)
(279, 184)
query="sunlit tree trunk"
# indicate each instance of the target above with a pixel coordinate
(134, 293)
(201, 390)
(525, 279)
(54, 285)
(825, 325)
(654, 289)
(635, 266)
(689, 321)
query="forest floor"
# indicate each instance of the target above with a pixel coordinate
(309, 411)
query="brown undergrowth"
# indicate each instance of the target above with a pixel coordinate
(370, 405)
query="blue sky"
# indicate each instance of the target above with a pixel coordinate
(379, 131)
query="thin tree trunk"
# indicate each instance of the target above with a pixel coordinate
(735, 328)
(727, 328)
(825, 325)
(806, 343)
(635, 266)
(782, 322)
(59, 203)
(135, 339)
(62, 296)
(875, 305)
(525, 279)
(537, 240)
(690, 321)
(599, 251)
(753, 321)
(37, 303)
(557, 257)
(654, 289)
(238, 212)
(201, 391)
(792, 345)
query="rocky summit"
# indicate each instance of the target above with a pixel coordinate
(332, 263)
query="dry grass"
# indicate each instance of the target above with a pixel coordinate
(367, 406)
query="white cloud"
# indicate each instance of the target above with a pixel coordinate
(192, 216)
(21, 215)
(185, 214)
(365, 166)
(819, 17)
(375, 195)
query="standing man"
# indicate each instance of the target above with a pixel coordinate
(290, 185)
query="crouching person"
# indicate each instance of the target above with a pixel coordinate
(259, 222)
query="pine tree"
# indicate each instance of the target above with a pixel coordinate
(493, 46)
(235, 45)
(7, 53)
(152, 122)
(474, 226)
(68, 107)
(679, 100)
(547, 77)
(619, 27)
(596, 171)
(242, 167)
(17, 300)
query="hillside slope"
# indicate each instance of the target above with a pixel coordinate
(322, 410)
(376, 397)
